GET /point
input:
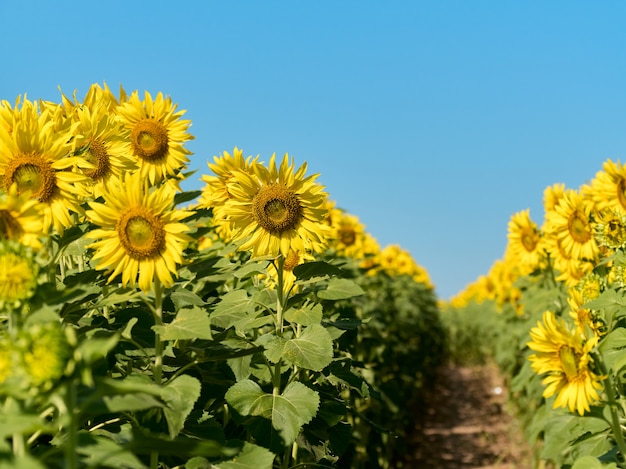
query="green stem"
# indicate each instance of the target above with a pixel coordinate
(157, 369)
(71, 447)
(280, 302)
(613, 406)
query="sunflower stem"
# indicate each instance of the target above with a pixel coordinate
(71, 460)
(613, 405)
(157, 370)
(280, 303)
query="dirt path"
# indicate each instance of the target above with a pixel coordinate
(465, 424)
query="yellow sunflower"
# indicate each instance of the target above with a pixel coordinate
(564, 355)
(21, 218)
(608, 188)
(139, 232)
(571, 224)
(274, 211)
(348, 234)
(103, 143)
(18, 274)
(397, 261)
(34, 158)
(525, 242)
(215, 191)
(46, 353)
(157, 135)
(584, 318)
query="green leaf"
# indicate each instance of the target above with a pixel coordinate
(234, 306)
(313, 350)
(251, 457)
(308, 315)
(340, 289)
(180, 394)
(591, 462)
(190, 323)
(273, 345)
(99, 451)
(288, 412)
(183, 298)
(251, 268)
(612, 348)
(316, 269)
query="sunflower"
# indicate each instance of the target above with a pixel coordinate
(103, 144)
(215, 191)
(34, 158)
(610, 229)
(139, 232)
(274, 211)
(608, 188)
(525, 244)
(348, 234)
(584, 318)
(564, 355)
(396, 261)
(21, 218)
(157, 135)
(571, 224)
(18, 273)
(46, 353)
(293, 260)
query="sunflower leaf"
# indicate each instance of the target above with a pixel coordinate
(313, 350)
(340, 289)
(180, 394)
(190, 323)
(288, 412)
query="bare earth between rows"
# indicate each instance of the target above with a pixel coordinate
(465, 423)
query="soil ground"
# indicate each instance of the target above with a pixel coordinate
(465, 423)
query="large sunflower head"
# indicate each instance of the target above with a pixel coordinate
(157, 135)
(277, 210)
(564, 355)
(139, 234)
(34, 156)
(608, 188)
(571, 223)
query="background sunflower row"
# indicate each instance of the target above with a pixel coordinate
(144, 326)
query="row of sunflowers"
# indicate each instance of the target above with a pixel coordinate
(552, 315)
(248, 324)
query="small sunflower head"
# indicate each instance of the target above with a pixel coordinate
(45, 352)
(18, 273)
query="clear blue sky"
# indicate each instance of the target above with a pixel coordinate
(433, 121)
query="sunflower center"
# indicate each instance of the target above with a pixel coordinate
(30, 172)
(347, 236)
(10, 228)
(291, 261)
(276, 208)
(569, 361)
(579, 227)
(97, 154)
(149, 140)
(141, 233)
(529, 240)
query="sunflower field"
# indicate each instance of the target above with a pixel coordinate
(251, 323)
(552, 314)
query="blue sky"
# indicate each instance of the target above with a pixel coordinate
(432, 121)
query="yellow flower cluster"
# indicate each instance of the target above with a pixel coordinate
(581, 229)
